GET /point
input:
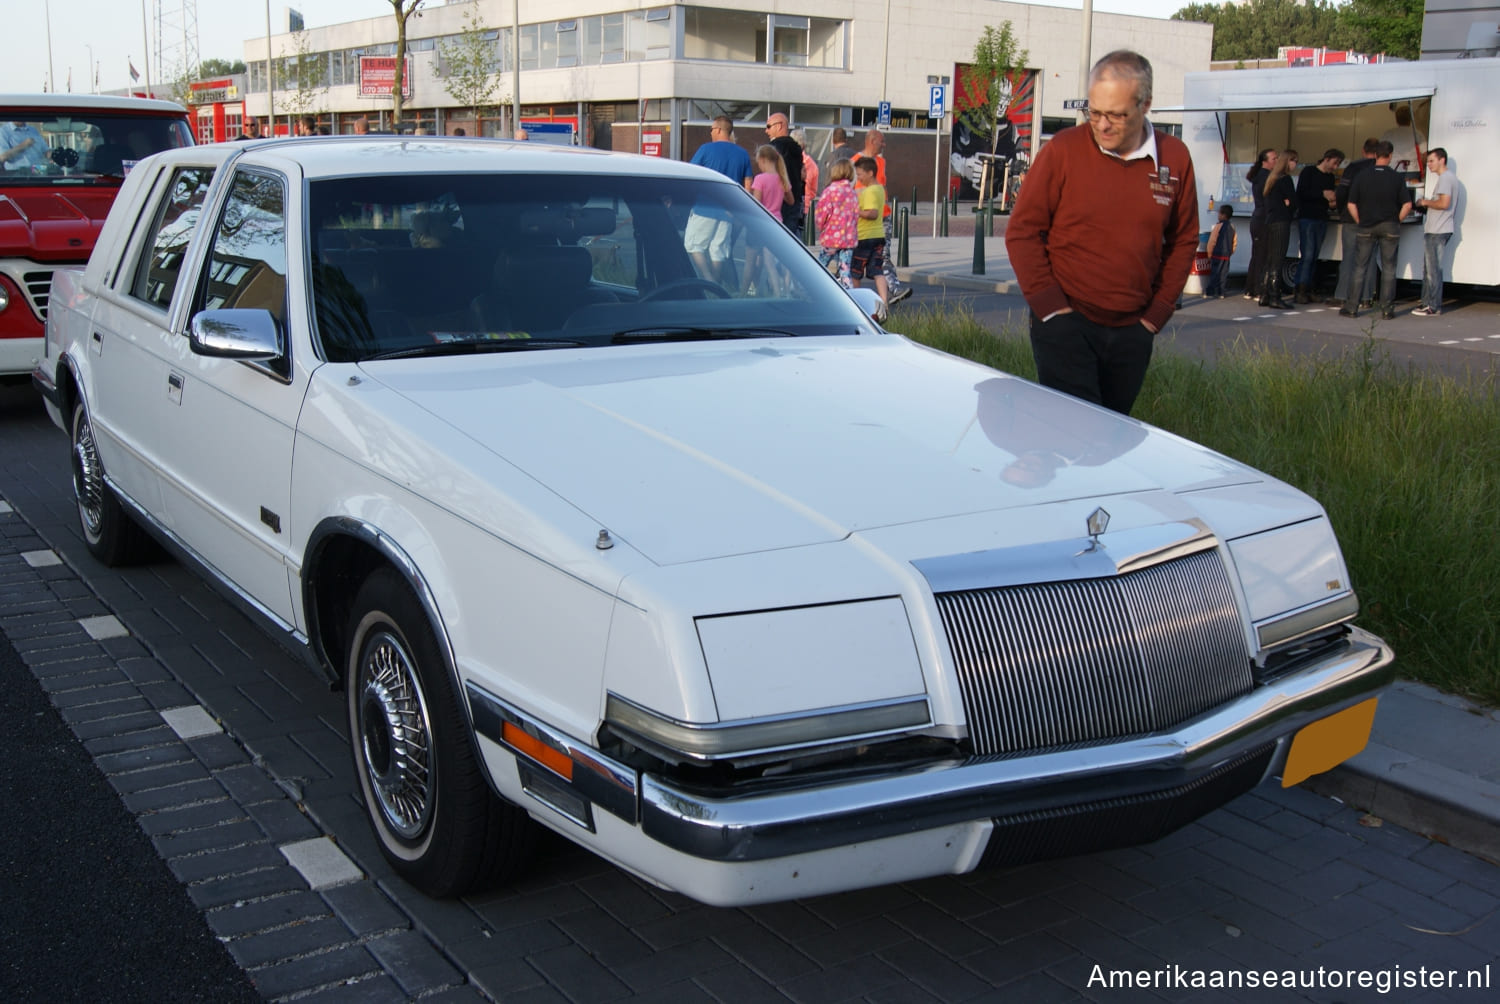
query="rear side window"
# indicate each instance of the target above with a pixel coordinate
(161, 263)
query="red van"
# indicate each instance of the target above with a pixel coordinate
(62, 158)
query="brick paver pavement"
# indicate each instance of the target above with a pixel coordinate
(1280, 881)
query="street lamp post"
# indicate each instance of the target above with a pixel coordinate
(51, 76)
(1085, 54)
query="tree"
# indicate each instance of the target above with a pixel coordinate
(404, 11)
(304, 73)
(988, 80)
(1256, 30)
(469, 69)
(219, 68)
(1390, 26)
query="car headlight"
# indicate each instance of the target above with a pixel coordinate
(798, 677)
(1295, 582)
(4, 296)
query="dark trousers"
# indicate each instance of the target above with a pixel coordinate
(1310, 241)
(1257, 256)
(1218, 278)
(1091, 361)
(1388, 236)
(1278, 236)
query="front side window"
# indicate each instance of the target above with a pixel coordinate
(247, 266)
(160, 264)
(424, 265)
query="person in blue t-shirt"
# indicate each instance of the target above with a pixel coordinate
(22, 147)
(709, 233)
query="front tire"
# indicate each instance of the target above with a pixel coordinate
(429, 804)
(110, 534)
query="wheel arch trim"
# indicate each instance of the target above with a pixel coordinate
(325, 533)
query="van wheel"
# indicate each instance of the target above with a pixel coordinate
(111, 535)
(1289, 273)
(434, 815)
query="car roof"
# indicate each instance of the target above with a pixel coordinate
(88, 102)
(345, 156)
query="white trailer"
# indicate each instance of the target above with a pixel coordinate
(1229, 116)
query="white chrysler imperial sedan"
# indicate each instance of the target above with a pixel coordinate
(604, 524)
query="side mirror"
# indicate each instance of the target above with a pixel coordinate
(235, 334)
(869, 301)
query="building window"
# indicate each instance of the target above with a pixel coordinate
(567, 43)
(613, 47)
(788, 40)
(530, 52)
(778, 39)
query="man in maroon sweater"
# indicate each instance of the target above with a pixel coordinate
(1102, 239)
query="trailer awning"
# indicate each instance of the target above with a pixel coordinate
(1284, 101)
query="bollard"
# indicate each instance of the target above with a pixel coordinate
(943, 220)
(978, 247)
(810, 224)
(914, 200)
(903, 242)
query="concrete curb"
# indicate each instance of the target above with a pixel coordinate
(1440, 803)
(977, 283)
(1432, 766)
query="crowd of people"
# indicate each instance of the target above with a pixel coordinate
(1369, 200)
(852, 220)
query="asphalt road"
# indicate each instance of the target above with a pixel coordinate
(1278, 880)
(91, 912)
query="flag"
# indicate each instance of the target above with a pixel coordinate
(134, 73)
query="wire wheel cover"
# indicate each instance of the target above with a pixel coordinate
(396, 735)
(88, 481)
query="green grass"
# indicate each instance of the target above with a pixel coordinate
(1407, 464)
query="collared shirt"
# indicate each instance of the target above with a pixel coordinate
(1146, 149)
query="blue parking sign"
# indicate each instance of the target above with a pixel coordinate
(885, 115)
(935, 101)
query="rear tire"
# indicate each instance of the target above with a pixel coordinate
(429, 804)
(111, 535)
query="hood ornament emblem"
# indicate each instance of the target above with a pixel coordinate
(1098, 522)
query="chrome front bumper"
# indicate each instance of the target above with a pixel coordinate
(776, 824)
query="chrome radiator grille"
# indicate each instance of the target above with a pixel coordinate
(1067, 662)
(38, 286)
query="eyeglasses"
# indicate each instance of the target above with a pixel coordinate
(1113, 118)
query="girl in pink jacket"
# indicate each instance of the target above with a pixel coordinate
(838, 220)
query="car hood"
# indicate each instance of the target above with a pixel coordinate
(701, 450)
(51, 225)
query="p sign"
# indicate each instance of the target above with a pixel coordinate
(885, 115)
(936, 99)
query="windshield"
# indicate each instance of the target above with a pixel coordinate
(409, 265)
(46, 146)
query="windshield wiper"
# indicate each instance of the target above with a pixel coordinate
(684, 334)
(463, 348)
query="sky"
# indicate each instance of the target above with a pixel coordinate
(113, 28)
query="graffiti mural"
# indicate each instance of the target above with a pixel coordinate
(1012, 142)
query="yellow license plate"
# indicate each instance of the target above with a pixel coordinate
(1325, 744)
